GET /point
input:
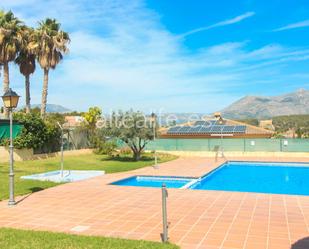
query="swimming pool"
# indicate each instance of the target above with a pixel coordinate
(154, 181)
(274, 178)
(257, 177)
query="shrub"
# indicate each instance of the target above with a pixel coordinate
(36, 134)
(126, 151)
(132, 128)
(106, 148)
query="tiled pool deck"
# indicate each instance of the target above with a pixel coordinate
(199, 218)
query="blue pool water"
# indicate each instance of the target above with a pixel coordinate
(154, 181)
(275, 178)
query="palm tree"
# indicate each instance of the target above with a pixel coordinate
(10, 38)
(51, 44)
(26, 61)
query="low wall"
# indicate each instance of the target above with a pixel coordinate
(237, 154)
(19, 155)
(27, 154)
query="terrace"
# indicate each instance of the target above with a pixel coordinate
(160, 173)
(199, 219)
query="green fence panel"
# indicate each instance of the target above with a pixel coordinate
(159, 144)
(295, 145)
(5, 130)
(227, 144)
(193, 145)
(269, 145)
(230, 144)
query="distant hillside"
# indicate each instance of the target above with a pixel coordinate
(297, 123)
(287, 125)
(265, 107)
(53, 108)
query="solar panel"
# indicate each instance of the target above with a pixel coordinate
(173, 130)
(228, 128)
(184, 129)
(176, 128)
(207, 127)
(217, 128)
(240, 129)
(195, 129)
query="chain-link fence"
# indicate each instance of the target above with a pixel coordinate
(73, 140)
(76, 139)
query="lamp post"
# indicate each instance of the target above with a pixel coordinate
(154, 121)
(221, 122)
(61, 149)
(10, 100)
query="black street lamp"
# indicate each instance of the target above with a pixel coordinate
(10, 100)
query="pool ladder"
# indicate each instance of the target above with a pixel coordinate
(221, 153)
(62, 173)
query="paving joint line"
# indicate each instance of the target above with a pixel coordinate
(234, 218)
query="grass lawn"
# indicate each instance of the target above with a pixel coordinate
(16, 239)
(82, 162)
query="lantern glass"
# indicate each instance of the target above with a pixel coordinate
(7, 101)
(10, 99)
(14, 101)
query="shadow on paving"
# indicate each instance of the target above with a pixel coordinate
(301, 244)
(36, 189)
(126, 159)
(33, 190)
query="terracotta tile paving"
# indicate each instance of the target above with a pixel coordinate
(199, 219)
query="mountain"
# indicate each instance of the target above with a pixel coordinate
(266, 107)
(53, 108)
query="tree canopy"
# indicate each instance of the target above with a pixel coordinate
(25, 45)
(132, 128)
(92, 116)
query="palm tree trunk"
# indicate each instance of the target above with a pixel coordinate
(44, 93)
(27, 88)
(6, 85)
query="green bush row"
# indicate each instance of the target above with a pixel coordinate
(36, 133)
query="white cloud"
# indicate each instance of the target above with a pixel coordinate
(122, 57)
(219, 24)
(235, 19)
(294, 26)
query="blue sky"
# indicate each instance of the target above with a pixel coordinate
(173, 56)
